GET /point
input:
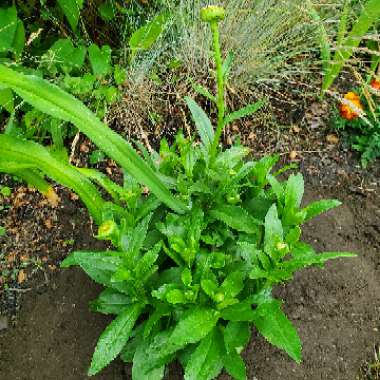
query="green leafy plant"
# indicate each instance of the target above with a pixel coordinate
(195, 258)
(91, 71)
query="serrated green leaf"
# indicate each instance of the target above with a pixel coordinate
(239, 312)
(293, 196)
(293, 236)
(100, 266)
(235, 366)
(206, 362)
(227, 64)
(209, 286)
(274, 233)
(111, 301)
(71, 9)
(272, 323)
(114, 338)
(176, 296)
(100, 59)
(263, 168)
(231, 157)
(147, 261)
(136, 339)
(237, 218)
(202, 122)
(204, 92)
(243, 112)
(257, 273)
(277, 188)
(294, 191)
(236, 336)
(147, 364)
(192, 327)
(186, 277)
(161, 311)
(133, 241)
(319, 207)
(233, 284)
(291, 266)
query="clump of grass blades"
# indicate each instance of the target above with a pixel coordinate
(274, 42)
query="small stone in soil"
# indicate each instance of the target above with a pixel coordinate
(3, 323)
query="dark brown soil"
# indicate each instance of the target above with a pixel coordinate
(336, 310)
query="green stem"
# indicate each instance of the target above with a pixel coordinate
(220, 88)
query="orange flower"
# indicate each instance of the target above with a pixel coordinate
(375, 84)
(349, 108)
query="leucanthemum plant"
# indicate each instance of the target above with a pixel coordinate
(194, 260)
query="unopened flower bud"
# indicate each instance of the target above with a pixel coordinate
(213, 13)
(107, 230)
(219, 297)
(282, 247)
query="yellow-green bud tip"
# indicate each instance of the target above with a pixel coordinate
(213, 13)
(107, 229)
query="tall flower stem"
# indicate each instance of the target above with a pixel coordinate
(213, 14)
(220, 101)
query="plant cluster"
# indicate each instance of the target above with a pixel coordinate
(359, 119)
(58, 47)
(195, 257)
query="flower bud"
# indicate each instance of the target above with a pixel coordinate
(212, 13)
(107, 230)
(219, 297)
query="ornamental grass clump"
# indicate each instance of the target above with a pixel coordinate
(194, 260)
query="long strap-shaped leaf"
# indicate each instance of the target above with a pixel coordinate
(50, 99)
(369, 15)
(15, 152)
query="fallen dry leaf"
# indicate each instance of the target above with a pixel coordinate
(11, 258)
(21, 276)
(296, 129)
(332, 139)
(293, 155)
(52, 197)
(48, 223)
(24, 258)
(84, 148)
(73, 197)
